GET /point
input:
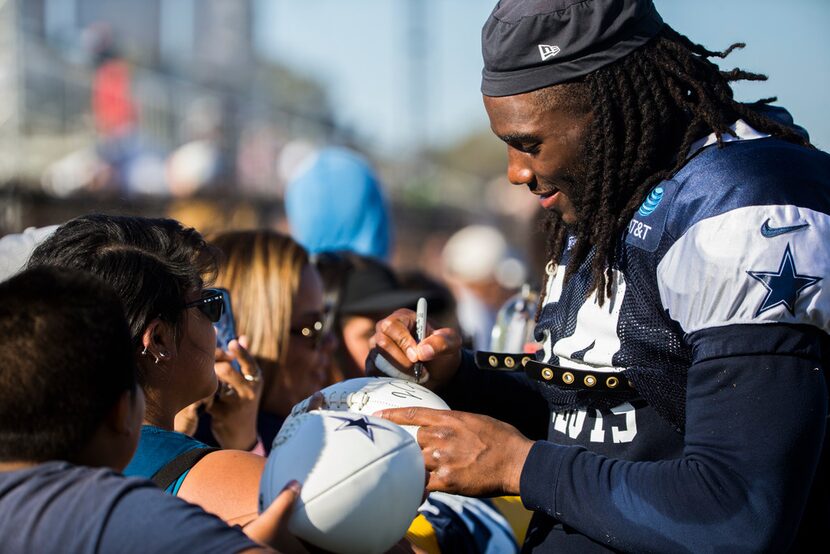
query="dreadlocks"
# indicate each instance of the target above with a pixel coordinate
(649, 107)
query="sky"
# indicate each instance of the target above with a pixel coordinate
(365, 53)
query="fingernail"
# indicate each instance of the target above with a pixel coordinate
(411, 354)
(385, 325)
(426, 351)
(293, 486)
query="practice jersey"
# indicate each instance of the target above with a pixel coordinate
(688, 412)
(725, 262)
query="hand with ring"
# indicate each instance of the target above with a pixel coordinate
(468, 454)
(234, 414)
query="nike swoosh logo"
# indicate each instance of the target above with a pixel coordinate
(770, 232)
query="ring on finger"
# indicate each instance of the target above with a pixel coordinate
(253, 377)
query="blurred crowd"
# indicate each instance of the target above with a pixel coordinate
(305, 300)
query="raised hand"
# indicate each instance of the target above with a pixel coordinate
(234, 410)
(394, 340)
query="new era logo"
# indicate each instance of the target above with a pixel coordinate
(547, 51)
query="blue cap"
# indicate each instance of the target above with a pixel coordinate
(337, 204)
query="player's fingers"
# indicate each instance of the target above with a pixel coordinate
(390, 352)
(432, 456)
(437, 343)
(398, 330)
(434, 481)
(413, 416)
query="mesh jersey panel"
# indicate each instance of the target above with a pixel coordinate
(652, 353)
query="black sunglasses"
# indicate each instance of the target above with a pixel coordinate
(210, 304)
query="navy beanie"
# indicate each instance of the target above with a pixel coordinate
(532, 44)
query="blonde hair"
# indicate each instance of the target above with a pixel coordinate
(262, 271)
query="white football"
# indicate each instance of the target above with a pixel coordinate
(362, 480)
(367, 395)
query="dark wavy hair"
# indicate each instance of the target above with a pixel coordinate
(649, 107)
(152, 263)
(65, 360)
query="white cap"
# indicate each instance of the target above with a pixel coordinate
(480, 252)
(15, 249)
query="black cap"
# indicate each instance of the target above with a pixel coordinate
(532, 44)
(372, 288)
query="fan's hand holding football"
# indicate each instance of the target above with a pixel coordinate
(234, 410)
(467, 454)
(394, 339)
(271, 527)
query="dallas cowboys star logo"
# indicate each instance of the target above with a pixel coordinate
(782, 287)
(362, 424)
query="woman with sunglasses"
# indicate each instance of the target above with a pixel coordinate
(159, 269)
(277, 299)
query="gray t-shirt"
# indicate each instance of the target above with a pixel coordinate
(59, 507)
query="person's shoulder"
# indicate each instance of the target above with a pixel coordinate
(742, 180)
(745, 239)
(765, 159)
(156, 448)
(157, 522)
(57, 504)
(64, 476)
(748, 174)
(226, 483)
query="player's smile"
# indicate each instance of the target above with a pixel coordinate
(544, 147)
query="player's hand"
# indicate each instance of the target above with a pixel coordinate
(467, 454)
(394, 340)
(234, 409)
